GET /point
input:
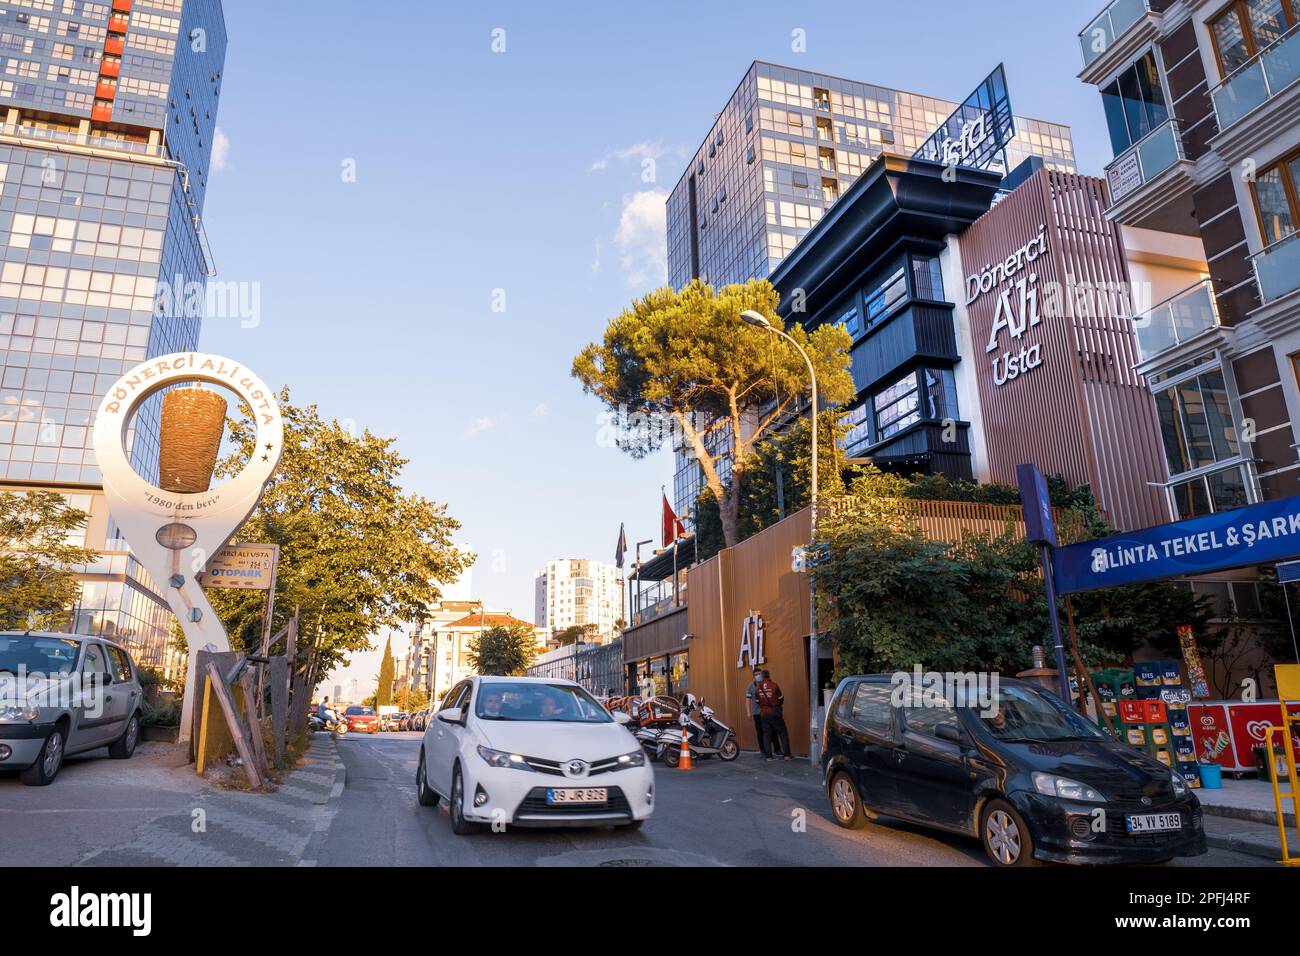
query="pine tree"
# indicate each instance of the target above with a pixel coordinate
(384, 695)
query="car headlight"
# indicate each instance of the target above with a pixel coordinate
(1180, 784)
(499, 758)
(635, 759)
(17, 712)
(1065, 788)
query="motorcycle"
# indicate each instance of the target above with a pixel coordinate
(336, 724)
(705, 734)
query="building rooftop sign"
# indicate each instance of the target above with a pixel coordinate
(978, 131)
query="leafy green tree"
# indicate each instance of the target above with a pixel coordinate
(417, 698)
(37, 584)
(894, 598)
(357, 553)
(387, 673)
(682, 365)
(503, 651)
(778, 479)
(574, 634)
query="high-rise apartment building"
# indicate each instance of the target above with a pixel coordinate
(1202, 99)
(108, 113)
(785, 147)
(579, 593)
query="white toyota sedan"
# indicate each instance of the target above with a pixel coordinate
(529, 751)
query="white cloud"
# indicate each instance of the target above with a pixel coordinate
(641, 238)
(220, 150)
(645, 150)
(479, 426)
(540, 410)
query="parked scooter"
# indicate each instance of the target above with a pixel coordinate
(705, 734)
(336, 724)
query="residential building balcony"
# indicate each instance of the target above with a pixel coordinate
(1151, 183)
(1180, 319)
(1117, 34)
(1277, 269)
(1260, 100)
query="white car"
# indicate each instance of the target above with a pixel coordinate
(528, 751)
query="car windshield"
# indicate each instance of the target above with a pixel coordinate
(37, 655)
(360, 712)
(1023, 715)
(562, 703)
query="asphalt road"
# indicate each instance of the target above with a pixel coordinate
(743, 814)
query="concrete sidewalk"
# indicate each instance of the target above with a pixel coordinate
(1242, 817)
(233, 828)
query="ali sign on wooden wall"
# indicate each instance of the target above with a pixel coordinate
(751, 642)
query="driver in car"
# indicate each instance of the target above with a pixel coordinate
(492, 704)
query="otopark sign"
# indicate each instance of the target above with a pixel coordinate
(175, 532)
(1265, 533)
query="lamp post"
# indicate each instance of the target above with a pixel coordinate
(750, 317)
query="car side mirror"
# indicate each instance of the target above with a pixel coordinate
(950, 733)
(452, 715)
(621, 718)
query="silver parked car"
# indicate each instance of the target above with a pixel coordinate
(63, 694)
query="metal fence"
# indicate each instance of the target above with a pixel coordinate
(597, 667)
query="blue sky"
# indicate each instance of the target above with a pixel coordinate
(521, 171)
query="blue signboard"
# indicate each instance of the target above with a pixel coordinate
(1036, 503)
(1259, 534)
(1286, 573)
(978, 132)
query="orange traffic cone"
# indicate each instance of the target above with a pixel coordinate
(684, 759)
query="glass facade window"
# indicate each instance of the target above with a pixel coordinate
(924, 395)
(927, 278)
(879, 299)
(1207, 494)
(1134, 103)
(1196, 423)
(850, 321)
(1277, 197)
(1248, 26)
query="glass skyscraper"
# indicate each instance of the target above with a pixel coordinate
(786, 146)
(109, 114)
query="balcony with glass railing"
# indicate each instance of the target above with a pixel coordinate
(1250, 86)
(92, 140)
(1178, 319)
(1146, 159)
(1111, 25)
(1277, 269)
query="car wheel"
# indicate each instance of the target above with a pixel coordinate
(124, 746)
(730, 750)
(423, 792)
(48, 761)
(1006, 836)
(456, 805)
(846, 802)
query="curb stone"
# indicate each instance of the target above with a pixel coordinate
(311, 852)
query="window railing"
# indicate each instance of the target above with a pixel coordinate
(1176, 320)
(1145, 160)
(1252, 84)
(1277, 268)
(1113, 22)
(75, 138)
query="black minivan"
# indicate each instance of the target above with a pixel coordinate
(1027, 775)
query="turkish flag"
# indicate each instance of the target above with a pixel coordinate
(672, 525)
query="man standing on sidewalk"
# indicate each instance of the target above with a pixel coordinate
(754, 712)
(771, 703)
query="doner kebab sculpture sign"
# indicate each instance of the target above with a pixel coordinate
(175, 530)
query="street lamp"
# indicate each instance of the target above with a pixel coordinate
(758, 320)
